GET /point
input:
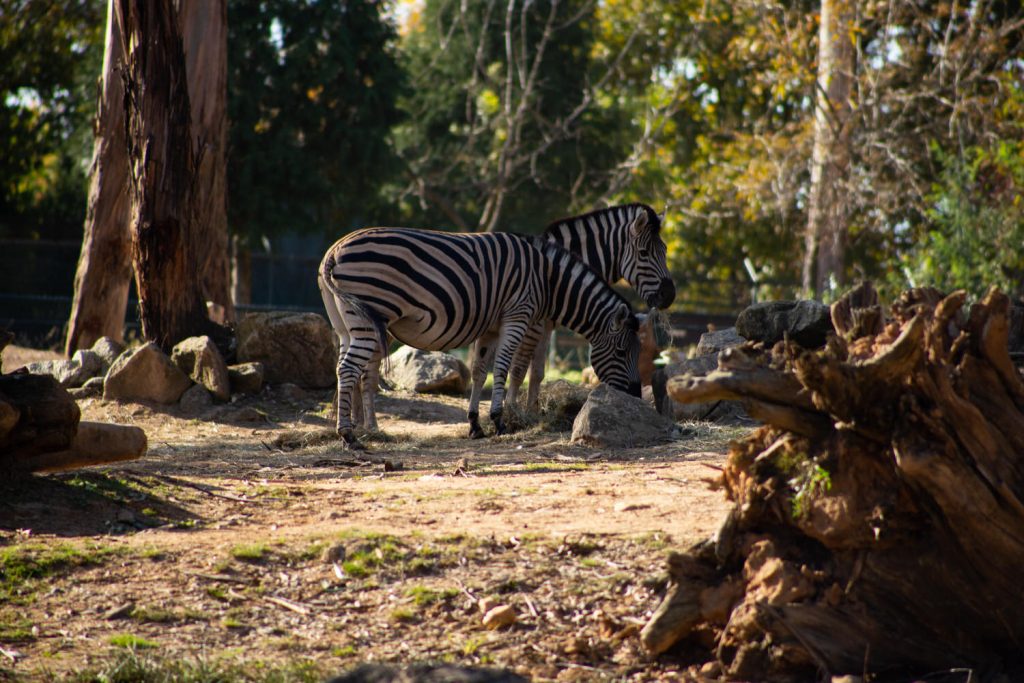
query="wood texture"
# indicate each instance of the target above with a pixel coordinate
(886, 538)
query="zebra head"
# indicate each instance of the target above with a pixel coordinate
(615, 349)
(644, 259)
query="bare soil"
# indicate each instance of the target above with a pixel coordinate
(248, 533)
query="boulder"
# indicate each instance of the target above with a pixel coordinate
(83, 366)
(107, 349)
(196, 399)
(806, 322)
(711, 343)
(293, 347)
(198, 358)
(427, 372)
(721, 412)
(145, 374)
(614, 419)
(245, 378)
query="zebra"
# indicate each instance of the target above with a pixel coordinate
(437, 291)
(618, 242)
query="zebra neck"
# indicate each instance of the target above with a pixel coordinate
(597, 239)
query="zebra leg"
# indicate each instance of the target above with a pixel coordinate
(357, 402)
(521, 362)
(511, 337)
(480, 360)
(361, 346)
(537, 367)
(371, 380)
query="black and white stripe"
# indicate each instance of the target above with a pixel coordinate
(437, 291)
(620, 242)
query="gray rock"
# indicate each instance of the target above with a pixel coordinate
(293, 347)
(614, 419)
(199, 358)
(711, 343)
(722, 412)
(107, 349)
(246, 378)
(92, 388)
(292, 392)
(84, 365)
(427, 372)
(145, 374)
(808, 323)
(196, 399)
(427, 673)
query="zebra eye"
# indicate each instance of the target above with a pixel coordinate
(643, 253)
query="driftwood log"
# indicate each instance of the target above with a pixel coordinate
(41, 431)
(878, 519)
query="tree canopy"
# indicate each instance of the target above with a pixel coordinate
(504, 114)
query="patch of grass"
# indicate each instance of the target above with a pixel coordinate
(345, 651)
(22, 567)
(136, 665)
(217, 593)
(423, 596)
(591, 562)
(250, 553)
(403, 615)
(14, 628)
(131, 641)
(472, 645)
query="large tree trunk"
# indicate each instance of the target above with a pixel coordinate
(879, 517)
(825, 240)
(104, 266)
(165, 233)
(205, 31)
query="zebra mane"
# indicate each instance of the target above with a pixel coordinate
(653, 220)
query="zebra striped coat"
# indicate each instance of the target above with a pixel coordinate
(437, 291)
(620, 242)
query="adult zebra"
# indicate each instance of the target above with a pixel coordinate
(620, 242)
(437, 291)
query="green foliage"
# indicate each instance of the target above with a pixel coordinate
(253, 552)
(23, 566)
(975, 232)
(811, 480)
(493, 137)
(131, 641)
(50, 55)
(312, 88)
(135, 664)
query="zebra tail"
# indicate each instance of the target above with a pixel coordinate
(379, 323)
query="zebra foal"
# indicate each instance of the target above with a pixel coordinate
(437, 291)
(620, 242)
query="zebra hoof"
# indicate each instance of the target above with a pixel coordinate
(499, 428)
(475, 432)
(351, 442)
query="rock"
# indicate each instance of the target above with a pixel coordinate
(119, 612)
(427, 372)
(292, 392)
(246, 378)
(334, 554)
(721, 412)
(88, 390)
(199, 358)
(196, 399)
(560, 402)
(485, 605)
(711, 343)
(499, 617)
(107, 349)
(427, 673)
(806, 322)
(293, 347)
(145, 374)
(83, 366)
(615, 419)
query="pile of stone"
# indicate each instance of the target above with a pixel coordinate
(194, 373)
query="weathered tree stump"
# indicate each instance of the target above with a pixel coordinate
(878, 523)
(40, 429)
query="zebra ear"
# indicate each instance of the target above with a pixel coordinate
(621, 318)
(636, 228)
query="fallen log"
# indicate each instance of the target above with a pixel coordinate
(41, 431)
(878, 519)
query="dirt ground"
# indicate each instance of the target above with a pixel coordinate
(247, 534)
